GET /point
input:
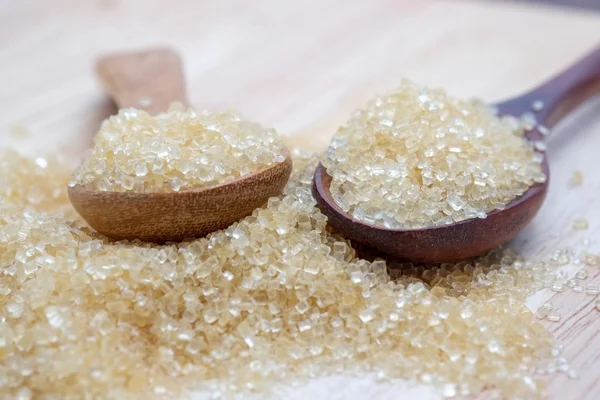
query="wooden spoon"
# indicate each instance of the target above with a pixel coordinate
(151, 80)
(473, 237)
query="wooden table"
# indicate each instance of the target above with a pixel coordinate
(302, 67)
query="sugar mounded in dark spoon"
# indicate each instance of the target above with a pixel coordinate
(417, 157)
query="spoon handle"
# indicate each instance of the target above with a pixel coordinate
(149, 80)
(561, 94)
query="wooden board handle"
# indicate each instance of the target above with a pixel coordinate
(561, 94)
(149, 80)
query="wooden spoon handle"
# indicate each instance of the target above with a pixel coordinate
(560, 94)
(149, 80)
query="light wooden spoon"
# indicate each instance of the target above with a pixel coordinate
(152, 80)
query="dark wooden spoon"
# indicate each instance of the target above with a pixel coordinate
(473, 237)
(151, 80)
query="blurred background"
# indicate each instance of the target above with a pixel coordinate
(300, 66)
(592, 4)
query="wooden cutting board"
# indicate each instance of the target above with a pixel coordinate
(302, 67)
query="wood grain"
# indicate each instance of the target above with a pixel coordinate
(150, 79)
(302, 67)
(174, 216)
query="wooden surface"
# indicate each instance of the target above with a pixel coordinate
(302, 67)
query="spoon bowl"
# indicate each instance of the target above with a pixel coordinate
(152, 80)
(174, 216)
(472, 237)
(446, 243)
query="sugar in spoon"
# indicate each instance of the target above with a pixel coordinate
(151, 81)
(549, 102)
